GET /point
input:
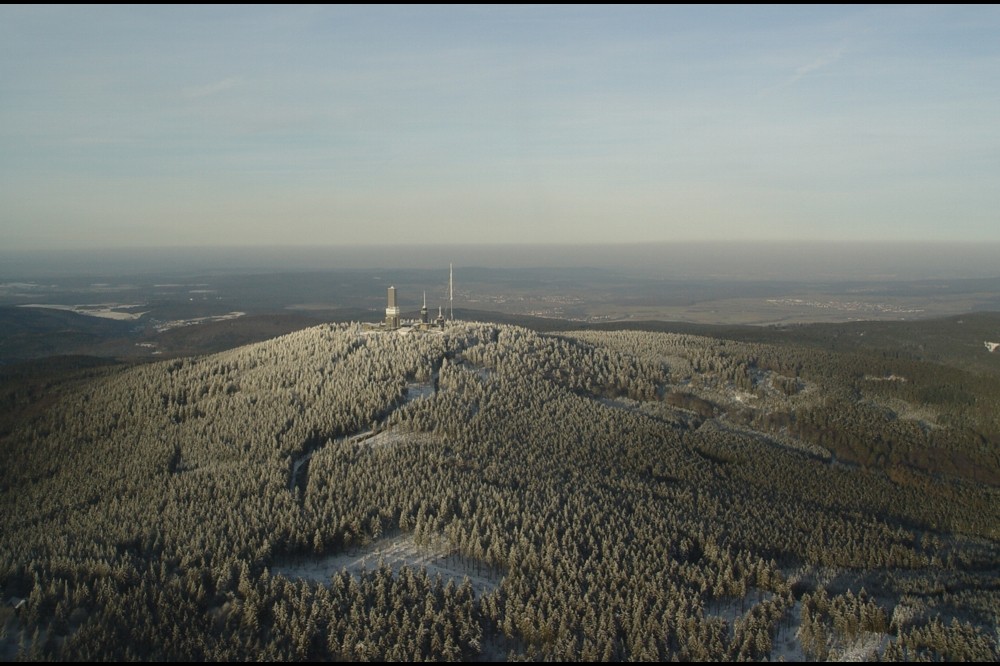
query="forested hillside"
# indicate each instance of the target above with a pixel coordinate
(638, 495)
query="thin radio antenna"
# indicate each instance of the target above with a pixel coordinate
(451, 293)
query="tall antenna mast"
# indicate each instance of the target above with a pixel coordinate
(451, 294)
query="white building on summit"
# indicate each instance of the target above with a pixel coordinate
(393, 321)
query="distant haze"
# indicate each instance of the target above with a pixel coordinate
(166, 126)
(812, 262)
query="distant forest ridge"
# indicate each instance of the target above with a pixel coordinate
(728, 260)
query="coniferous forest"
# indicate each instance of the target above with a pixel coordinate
(630, 496)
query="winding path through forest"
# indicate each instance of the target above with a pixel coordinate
(414, 391)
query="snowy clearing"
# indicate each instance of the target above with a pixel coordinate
(396, 552)
(102, 310)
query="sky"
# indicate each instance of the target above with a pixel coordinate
(152, 126)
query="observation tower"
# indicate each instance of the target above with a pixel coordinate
(392, 311)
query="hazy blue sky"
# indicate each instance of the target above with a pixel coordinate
(148, 126)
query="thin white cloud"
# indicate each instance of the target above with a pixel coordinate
(803, 71)
(815, 65)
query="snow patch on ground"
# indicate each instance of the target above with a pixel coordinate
(861, 648)
(785, 644)
(177, 323)
(889, 378)
(392, 437)
(732, 608)
(416, 390)
(436, 558)
(102, 310)
(621, 403)
(906, 411)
